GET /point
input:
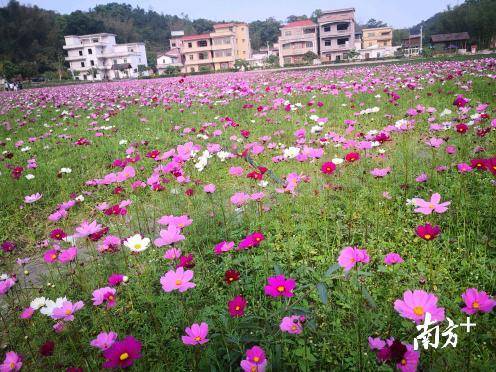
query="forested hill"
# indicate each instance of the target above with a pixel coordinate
(31, 38)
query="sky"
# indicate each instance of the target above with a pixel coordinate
(399, 14)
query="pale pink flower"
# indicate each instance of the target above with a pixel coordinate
(434, 205)
(177, 280)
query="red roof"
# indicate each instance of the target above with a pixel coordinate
(196, 37)
(304, 22)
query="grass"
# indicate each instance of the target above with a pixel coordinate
(304, 232)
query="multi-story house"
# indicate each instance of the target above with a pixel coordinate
(217, 50)
(336, 34)
(99, 57)
(381, 37)
(297, 38)
(172, 57)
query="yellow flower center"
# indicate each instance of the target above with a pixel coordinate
(294, 327)
(475, 305)
(418, 310)
(280, 288)
(137, 246)
(110, 298)
(403, 362)
(427, 236)
(231, 279)
(197, 338)
(68, 312)
(53, 256)
(256, 359)
(178, 282)
(253, 369)
(124, 356)
(431, 206)
(12, 365)
(237, 308)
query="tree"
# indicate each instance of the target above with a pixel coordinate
(272, 60)
(374, 23)
(294, 18)
(9, 70)
(172, 70)
(352, 54)
(202, 25)
(263, 32)
(309, 56)
(399, 35)
(316, 14)
(241, 65)
(141, 69)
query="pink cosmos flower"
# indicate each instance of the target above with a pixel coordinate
(209, 189)
(476, 300)
(27, 313)
(393, 258)
(464, 168)
(350, 256)
(422, 178)
(172, 254)
(416, 303)
(255, 360)
(12, 362)
(86, 229)
(380, 172)
(104, 340)
(179, 222)
(409, 361)
(67, 310)
(116, 279)
(236, 306)
(435, 142)
(450, 149)
(251, 240)
(170, 236)
(122, 354)
(28, 199)
(6, 284)
(68, 255)
(280, 286)
(223, 247)
(106, 294)
(179, 279)
(434, 205)
(239, 199)
(236, 171)
(291, 324)
(51, 255)
(376, 343)
(196, 334)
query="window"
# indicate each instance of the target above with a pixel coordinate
(163, 61)
(82, 64)
(80, 52)
(202, 43)
(191, 57)
(115, 61)
(287, 33)
(202, 56)
(131, 50)
(327, 28)
(327, 43)
(342, 26)
(309, 44)
(371, 34)
(190, 45)
(125, 60)
(243, 40)
(192, 69)
(385, 33)
(173, 44)
(244, 52)
(135, 70)
(342, 41)
(309, 31)
(90, 51)
(95, 40)
(287, 59)
(92, 63)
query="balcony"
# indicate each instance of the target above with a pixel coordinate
(75, 58)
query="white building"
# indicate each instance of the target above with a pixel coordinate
(172, 58)
(98, 57)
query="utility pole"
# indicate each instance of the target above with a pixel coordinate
(421, 36)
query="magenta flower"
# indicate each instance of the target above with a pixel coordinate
(464, 168)
(12, 362)
(255, 360)
(6, 284)
(435, 142)
(476, 300)
(291, 324)
(434, 205)
(179, 279)
(393, 258)
(27, 313)
(122, 354)
(172, 254)
(236, 307)
(280, 286)
(67, 310)
(422, 178)
(239, 199)
(178, 221)
(51, 255)
(170, 236)
(415, 304)
(104, 340)
(376, 343)
(427, 231)
(196, 334)
(409, 361)
(251, 240)
(115, 279)
(350, 256)
(106, 294)
(8, 246)
(223, 247)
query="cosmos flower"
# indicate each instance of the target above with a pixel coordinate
(179, 279)
(433, 205)
(393, 258)
(350, 256)
(280, 286)
(196, 334)
(32, 198)
(12, 362)
(122, 354)
(231, 276)
(415, 304)
(476, 301)
(67, 310)
(137, 244)
(255, 361)
(223, 247)
(236, 306)
(292, 324)
(427, 231)
(170, 236)
(106, 294)
(104, 340)
(328, 167)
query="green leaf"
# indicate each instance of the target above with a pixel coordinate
(322, 290)
(368, 297)
(332, 269)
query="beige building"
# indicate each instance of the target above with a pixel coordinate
(381, 37)
(217, 50)
(297, 38)
(337, 34)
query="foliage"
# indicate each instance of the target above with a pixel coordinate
(272, 60)
(374, 23)
(263, 32)
(241, 65)
(171, 70)
(310, 56)
(352, 54)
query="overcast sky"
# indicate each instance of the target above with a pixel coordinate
(398, 13)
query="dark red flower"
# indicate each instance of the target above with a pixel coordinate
(8, 246)
(461, 128)
(352, 156)
(328, 167)
(58, 234)
(427, 231)
(98, 235)
(186, 261)
(47, 348)
(231, 276)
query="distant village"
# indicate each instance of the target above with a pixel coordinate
(333, 38)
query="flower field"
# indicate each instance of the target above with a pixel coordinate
(294, 220)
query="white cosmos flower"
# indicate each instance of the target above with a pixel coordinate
(51, 305)
(24, 149)
(37, 303)
(337, 161)
(291, 152)
(136, 243)
(80, 198)
(263, 183)
(29, 176)
(65, 170)
(123, 142)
